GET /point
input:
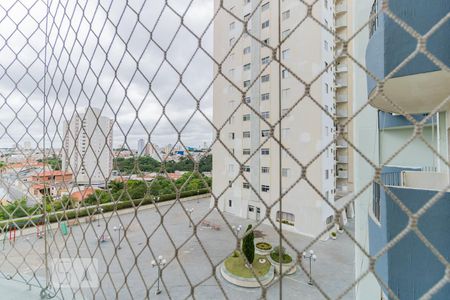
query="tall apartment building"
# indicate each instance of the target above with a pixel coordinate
(343, 98)
(415, 174)
(141, 147)
(269, 91)
(87, 149)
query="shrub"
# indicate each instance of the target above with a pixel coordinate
(275, 255)
(263, 246)
(333, 234)
(248, 245)
(235, 253)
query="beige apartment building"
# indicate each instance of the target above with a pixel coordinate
(251, 93)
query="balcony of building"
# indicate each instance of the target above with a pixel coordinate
(393, 121)
(342, 174)
(341, 22)
(420, 268)
(340, 8)
(419, 85)
(341, 98)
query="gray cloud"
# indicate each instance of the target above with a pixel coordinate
(91, 58)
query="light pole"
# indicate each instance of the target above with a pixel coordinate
(160, 263)
(190, 211)
(99, 211)
(237, 229)
(312, 257)
(118, 228)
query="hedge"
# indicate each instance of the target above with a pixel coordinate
(92, 210)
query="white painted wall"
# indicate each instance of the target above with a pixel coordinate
(366, 140)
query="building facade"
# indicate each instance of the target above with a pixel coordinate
(250, 169)
(141, 147)
(412, 172)
(87, 150)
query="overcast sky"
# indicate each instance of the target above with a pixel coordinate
(91, 58)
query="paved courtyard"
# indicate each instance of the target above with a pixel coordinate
(128, 271)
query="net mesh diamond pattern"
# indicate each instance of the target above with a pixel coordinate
(82, 81)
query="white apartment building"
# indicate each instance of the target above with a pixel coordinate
(271, 90)
(87, 149)
(141, 147)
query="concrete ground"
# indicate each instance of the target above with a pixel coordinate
(127, 273)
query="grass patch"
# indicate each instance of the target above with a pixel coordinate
(236, 266)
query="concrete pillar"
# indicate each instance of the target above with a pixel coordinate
(350, 209)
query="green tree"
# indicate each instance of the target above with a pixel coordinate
(248, 245)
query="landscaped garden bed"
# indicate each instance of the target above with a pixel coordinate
(263, 248)
(287, 263)
(234, 270)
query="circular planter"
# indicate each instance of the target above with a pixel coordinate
(247, 282)
(263, 251)
(288, 269)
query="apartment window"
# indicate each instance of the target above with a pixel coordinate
(265, 114)
(326, 67)
(230, 203)
(230, 168)
(245, 185)
(326, 3)
(284, 74)
(248, 99)
(246, 67)
(265, 78)
(286, 14)
(246, 117)
(232, 25)
(265, 97)
(326, 130)
(326, 88)
(265, 133)
(285, 172)
(265, 151)
(285, 132)
(231, 135)
(325, 45)
(246, 134)
(265, 6)
(231, 73)
(246, 83)
(232, 41)
(251, 208)
(230, 183)
(376, 204)
(246, 151)
(265, 188)
(247, 50)
(284, 94)
(285, 54)
(246, 168)
(285, 217)
(327, 174)
(265, 24)
(265, 60)
(329, 220)
(285, 33)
